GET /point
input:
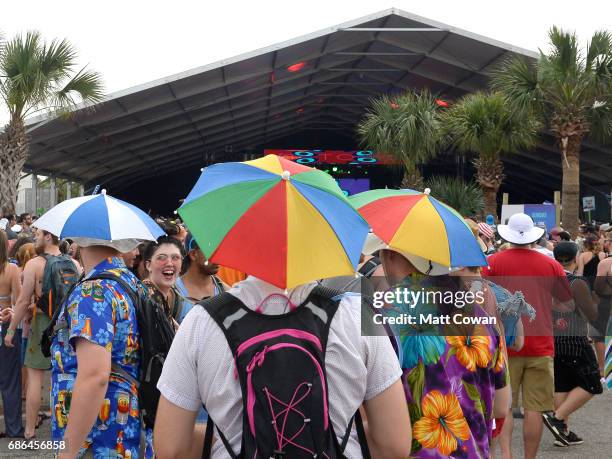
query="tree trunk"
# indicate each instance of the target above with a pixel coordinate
(570, 189)
(13, 153)
(412, 178)
(489, 175)
(490, 198)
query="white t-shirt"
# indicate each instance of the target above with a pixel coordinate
(200, 366)
(545, 251)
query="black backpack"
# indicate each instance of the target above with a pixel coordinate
(156, 335)
(280, 361)
(59, 276)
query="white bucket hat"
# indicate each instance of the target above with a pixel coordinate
(373, 244)
(520, 230)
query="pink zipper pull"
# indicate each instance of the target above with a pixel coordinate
(258, 359)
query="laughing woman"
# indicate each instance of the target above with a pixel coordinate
(163, 261)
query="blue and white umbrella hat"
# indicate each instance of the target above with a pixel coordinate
(100, 220)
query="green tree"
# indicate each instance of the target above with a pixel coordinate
(405, 126)
(486, 125)
(36, 76)
(465, 197)
(570, 90)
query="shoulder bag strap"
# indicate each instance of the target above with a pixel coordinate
(208, 438)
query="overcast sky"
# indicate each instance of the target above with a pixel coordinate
(133, 41)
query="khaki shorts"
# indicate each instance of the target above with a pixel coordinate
(536, 377)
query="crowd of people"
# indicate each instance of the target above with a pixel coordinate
(419, 394)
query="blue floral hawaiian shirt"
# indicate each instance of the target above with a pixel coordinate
(101, 312)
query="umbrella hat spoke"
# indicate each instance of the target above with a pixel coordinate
(211, 216)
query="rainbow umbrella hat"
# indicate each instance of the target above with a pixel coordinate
(282, 222)
(417, 224)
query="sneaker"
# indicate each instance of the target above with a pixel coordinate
(556, 426)
(573, 439)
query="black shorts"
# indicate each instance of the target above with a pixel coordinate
(578, 371)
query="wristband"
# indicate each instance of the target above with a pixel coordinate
(10, 332)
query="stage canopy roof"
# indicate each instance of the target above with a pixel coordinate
(319, 82)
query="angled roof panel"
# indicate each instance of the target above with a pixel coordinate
(214, 112)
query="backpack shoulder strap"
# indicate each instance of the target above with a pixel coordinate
(368, 268)
(218, 284)
(325, 304)
(134, 296)
(56, 314)
(177, 307)
(225, 309)
(363, 441)
(208, 440)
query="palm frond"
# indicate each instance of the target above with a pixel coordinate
(567, 88)
(465, 197)
(36, 74)
(601, 120)
(517, 79)
(565, 57)
(85, 85)
(57, 60)
(599, 50)
(406, 126)
(486, 124)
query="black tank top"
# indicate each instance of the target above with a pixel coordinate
(590, 270)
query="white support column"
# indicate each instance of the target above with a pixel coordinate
(34, 194)
(68, 190)
(52, 192)
(81, 190)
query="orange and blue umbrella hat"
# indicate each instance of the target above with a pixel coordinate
(283, 222)
(418, 224)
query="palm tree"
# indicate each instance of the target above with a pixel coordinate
(486, 125)
(465, 197)
(36, 76)
(571, 92)
(405, 126)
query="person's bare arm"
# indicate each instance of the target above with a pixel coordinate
(388, 426)
(94, 366)
(580, 265)
(15, 285)
(562, 298)
(519, 336)
(23, 301)
(6, 314)
(585, 302)
(174, 428)
(603, 281)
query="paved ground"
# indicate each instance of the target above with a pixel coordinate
(593, 423)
